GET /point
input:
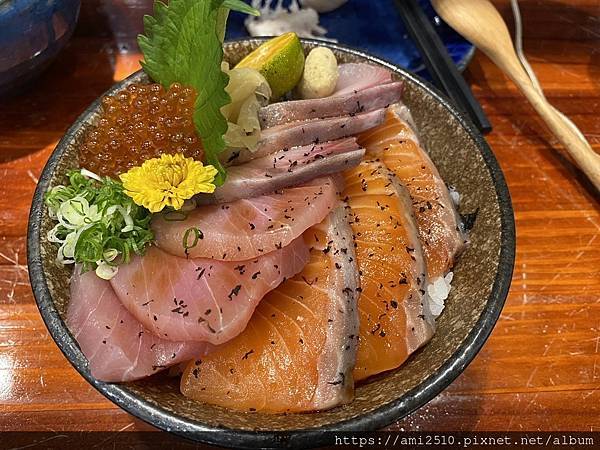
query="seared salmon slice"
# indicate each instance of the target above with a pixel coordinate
(299, 348)
(396, 144)
(391, 267)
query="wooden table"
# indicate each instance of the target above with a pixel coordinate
(540, 370)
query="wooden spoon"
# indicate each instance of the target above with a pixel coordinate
(479, 22)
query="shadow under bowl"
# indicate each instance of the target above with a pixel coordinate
(481, 281)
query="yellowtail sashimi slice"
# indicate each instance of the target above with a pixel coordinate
(199, 299)
(355, 102)
(116, 344)
(305, 132)
(248, 228)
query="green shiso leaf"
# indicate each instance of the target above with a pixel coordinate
(222, 16)
(183, 43)
(240, 6)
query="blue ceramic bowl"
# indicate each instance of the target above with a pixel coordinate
(33, 32)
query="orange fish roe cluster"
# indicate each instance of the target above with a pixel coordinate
(138, 123)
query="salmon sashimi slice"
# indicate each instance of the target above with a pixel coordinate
(392, 270)
(441, 233)
(247, 228)
(199, 299)
(116, 344)
(285, 168)
(299, 348)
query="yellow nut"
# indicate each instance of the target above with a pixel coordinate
(320, 74)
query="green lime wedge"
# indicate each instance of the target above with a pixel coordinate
(280, 60)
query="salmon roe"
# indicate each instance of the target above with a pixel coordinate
(138, 123)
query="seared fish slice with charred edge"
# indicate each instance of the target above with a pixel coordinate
(392, 270)
(285, 168)
(396, 144)
(246, 228)
(360, 88)
(299, 348)
(355, 77)
(116, 344)
(204, 300)
(365, 100)
(305, 132)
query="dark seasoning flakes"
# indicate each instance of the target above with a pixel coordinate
(234, 292)
(180, 308)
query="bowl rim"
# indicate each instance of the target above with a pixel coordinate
(299, 438)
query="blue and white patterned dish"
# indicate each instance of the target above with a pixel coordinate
(376, 27)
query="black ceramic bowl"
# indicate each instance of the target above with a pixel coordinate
(481, 282)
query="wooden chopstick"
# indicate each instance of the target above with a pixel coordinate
(443, 71)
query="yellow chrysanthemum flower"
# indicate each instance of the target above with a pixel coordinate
(167, 181)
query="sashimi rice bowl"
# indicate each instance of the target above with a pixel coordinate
(268, 236)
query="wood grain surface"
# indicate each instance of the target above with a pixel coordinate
(540, 370)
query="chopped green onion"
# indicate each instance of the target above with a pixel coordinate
(99, 226)
(198, 234)
(175, 216)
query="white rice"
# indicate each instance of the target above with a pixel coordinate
(437, 293)
(438, 290)
(454, 195)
